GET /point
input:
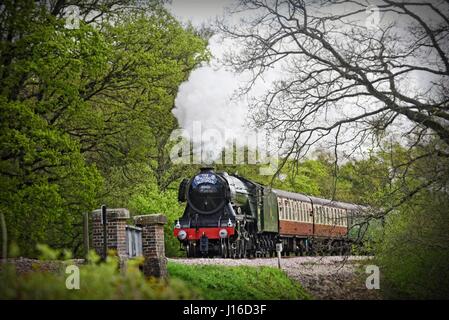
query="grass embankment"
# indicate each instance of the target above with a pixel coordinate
(237, 283)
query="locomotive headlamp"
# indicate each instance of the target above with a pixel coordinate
(223, 233)
(182, 235)
(230, 223)
(178, 225)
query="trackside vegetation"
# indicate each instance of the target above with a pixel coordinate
(105, 281)
(238, 283)
(97, 281)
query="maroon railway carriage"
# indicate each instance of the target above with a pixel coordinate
(308, 224)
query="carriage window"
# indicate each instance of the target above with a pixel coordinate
(296, 210)
(281, 209)
(324, 215)
(289, 203)
(301, 211)
(292, 206)
(341, 218)
(293, 210)
(323, 218)
(290, 211)
(320, 213)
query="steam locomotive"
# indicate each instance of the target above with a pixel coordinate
(232, 217)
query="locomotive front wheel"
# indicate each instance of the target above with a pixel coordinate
(224, 249)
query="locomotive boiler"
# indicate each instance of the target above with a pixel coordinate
(230, 216)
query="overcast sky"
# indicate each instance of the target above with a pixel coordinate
(207, 96)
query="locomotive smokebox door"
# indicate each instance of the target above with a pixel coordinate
(204, 243)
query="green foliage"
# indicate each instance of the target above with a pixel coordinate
(238, 283)
(47, 253)
(45, 184)
(85, 114)
(97, 281)
(413, 252)
(148, 200)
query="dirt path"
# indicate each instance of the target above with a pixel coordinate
(324, 277)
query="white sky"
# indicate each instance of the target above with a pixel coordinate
(206, 97)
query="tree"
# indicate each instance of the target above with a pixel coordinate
(85, 113)
(346, 82)
(413, 249)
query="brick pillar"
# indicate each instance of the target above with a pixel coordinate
(153, 247)
(116, 230)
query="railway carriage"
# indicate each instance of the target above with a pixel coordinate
(230, 216)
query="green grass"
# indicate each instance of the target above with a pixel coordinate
(238, 283)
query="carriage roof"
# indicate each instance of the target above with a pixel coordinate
(316, 200)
